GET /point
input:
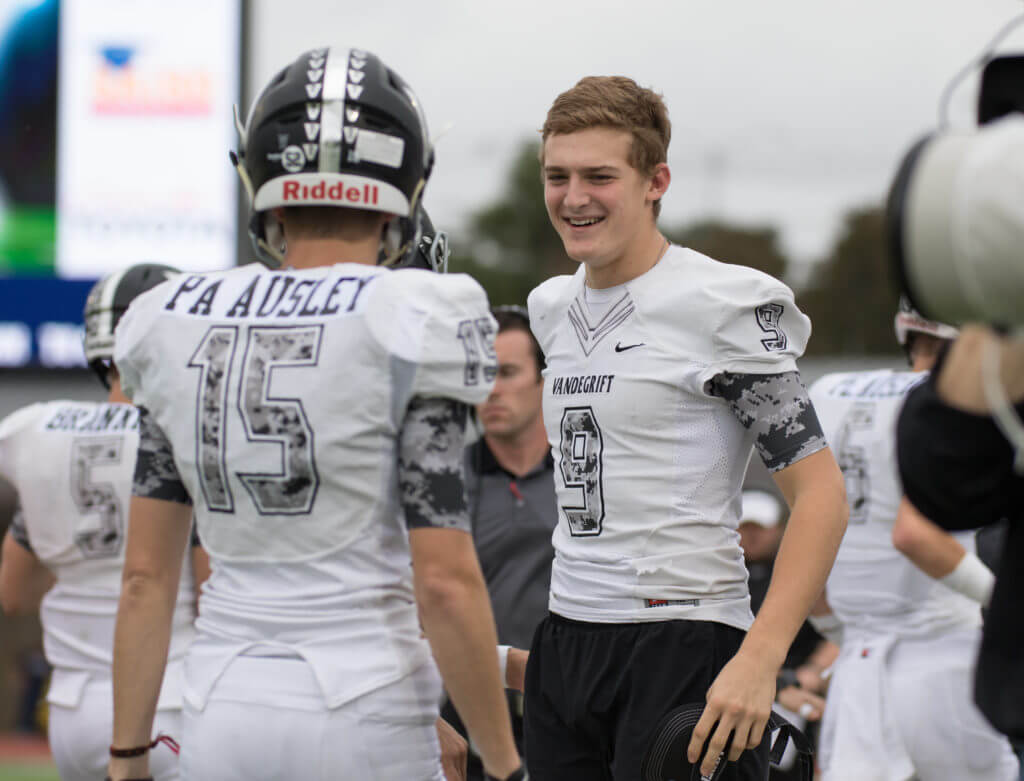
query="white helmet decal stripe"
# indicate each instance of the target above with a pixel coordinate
(332, 116)
(327, 189)
(102, 343)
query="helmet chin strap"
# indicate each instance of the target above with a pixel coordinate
(395, 248)
(244, 176)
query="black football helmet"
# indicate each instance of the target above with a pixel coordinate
(107, 301)
(337, 127)
(432, 249)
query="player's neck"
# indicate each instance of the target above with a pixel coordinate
(116, 395)
(923, 362)
(521, 453)
(639, 258)
(314, 253)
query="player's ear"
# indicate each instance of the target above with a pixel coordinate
(659, 182)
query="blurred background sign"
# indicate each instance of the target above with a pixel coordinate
(115, 124)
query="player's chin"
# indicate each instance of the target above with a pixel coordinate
(582, 249)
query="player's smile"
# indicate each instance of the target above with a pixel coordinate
(583, 222)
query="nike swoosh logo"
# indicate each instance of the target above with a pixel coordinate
(620, 348)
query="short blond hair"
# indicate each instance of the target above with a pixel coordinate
(615, 102)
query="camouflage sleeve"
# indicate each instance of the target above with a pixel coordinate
(156, 475)
(431, 480)
(19, 530)
(777, 409)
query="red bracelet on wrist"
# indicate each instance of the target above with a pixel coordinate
(138, 751)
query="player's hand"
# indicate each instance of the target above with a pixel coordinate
(454, 751)
(810, 679)
(515, 670)
(807, 704)
(740, 701)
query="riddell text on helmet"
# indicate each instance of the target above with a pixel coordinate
(294, 191)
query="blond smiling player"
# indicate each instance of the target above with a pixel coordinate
(696, 368)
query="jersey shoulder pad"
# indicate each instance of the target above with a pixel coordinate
(19, 421)
(130, 355)
(821, 386)
(23, 418)
(441, 326)
(403, 300)
(756, 325)
(548, 303)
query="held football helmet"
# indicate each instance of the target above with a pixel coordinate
(337, 127)
(107, 301)
(909, 321)
(432, 249)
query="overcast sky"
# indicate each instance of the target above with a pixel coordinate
(786, 113)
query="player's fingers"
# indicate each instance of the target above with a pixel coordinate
(700, 734)
(716, 747)
(740, 741)
(754, 736)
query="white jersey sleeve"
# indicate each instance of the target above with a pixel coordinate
(757, 327)
(441, 326)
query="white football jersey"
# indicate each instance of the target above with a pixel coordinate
(873, 588)
(648, 465)
(72, 464)
(282, 394)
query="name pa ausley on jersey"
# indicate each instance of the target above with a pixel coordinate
(269, 295)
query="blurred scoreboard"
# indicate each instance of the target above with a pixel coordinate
(41, 321)
(115, 124)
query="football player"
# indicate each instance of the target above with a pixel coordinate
(906, 596)
(665, 369)
(312, 417)
(71, 463)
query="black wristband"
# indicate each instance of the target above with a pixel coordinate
(147, 778)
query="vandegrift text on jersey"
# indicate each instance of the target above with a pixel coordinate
(279, 294)
(581, 383)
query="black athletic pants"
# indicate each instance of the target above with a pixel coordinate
(595, 692)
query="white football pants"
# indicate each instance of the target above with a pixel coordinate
(265, 719)
(901, 709)
(80, 736)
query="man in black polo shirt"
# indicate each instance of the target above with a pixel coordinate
(512, 499)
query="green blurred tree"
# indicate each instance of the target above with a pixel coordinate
(757, 247)
(852, 296)
(511, 246)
